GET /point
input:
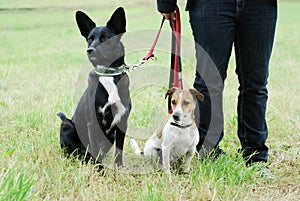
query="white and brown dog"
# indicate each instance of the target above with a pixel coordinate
(179, 136)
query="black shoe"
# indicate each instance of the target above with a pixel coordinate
(216, 153)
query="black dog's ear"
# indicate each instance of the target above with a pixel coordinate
(171, 91)
(197, 94)
(117, 22)
(84, 23)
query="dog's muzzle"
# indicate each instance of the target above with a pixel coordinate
(176, 116)
(91, 50)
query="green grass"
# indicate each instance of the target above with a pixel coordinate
(41, 55)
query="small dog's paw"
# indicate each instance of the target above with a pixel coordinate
(167, 171)
(186, 170)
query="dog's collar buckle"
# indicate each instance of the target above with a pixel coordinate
(180, 126)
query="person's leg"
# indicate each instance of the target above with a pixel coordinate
(256, 21)
(213, 26)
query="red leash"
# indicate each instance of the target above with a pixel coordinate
(175, 79)
(176, 45)
(150, 53)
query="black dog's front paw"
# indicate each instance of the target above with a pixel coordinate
(99, 167)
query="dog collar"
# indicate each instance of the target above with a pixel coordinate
(109, 71)
(180, 126)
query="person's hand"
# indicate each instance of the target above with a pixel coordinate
(169, 15)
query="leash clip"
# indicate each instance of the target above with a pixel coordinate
(154, 58)
(135, 66)
(142, 61)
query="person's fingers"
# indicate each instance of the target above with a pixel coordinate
(168, 15)
(172, 16)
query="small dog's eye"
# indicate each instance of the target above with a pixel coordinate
(173, 102)
(103, 38)
(186, 102)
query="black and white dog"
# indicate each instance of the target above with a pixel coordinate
(100, 119)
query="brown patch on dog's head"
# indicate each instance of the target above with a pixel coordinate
(171, 91)
(197, 94)
(173, 94)
(188, 101)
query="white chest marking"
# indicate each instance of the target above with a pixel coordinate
(113, 98)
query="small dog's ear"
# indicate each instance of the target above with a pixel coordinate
(171, 91)
(117, 22)
(197, 94)
(85, 24)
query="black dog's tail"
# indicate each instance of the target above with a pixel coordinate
(62, 116)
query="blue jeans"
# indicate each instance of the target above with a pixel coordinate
(250, 26)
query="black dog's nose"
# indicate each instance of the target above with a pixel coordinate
(90, 50)
(175, 116)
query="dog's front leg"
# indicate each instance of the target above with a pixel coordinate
(166, 158)
(189, 157)
(120, 137)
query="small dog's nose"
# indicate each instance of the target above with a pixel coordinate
(176, 116)
(90, 50)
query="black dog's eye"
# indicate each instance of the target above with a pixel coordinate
(103, 38)
(90, 40)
